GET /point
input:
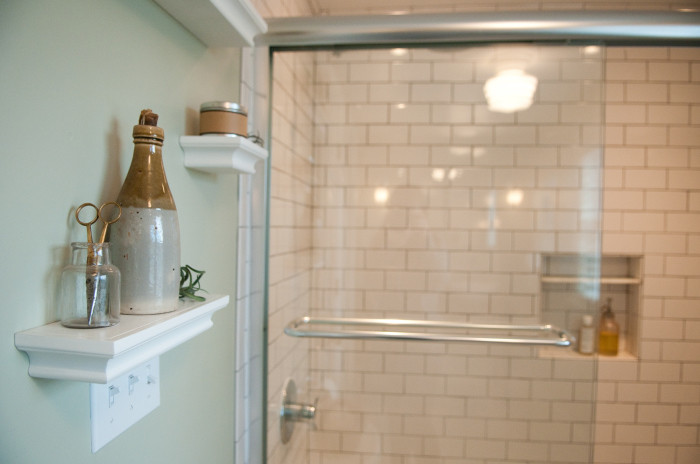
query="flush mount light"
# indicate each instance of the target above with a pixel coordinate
(510, 90)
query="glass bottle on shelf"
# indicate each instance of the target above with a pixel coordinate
(89, 292)
(586, 340)
(608, 331)
(146, 240)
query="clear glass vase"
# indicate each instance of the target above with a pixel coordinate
(90, 286)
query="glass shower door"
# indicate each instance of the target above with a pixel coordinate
(431, 185)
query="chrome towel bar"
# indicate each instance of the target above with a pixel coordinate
(547, 335)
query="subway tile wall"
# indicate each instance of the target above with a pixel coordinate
(429, 206)
(648, 408)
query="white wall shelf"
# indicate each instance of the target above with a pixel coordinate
(216, 153)
(100, 355)
(218, 23)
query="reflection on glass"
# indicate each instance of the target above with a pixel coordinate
(514, 197)
(510, 91)
(381, 195)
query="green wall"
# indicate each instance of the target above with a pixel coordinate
(74, 76)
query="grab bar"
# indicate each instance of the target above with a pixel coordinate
(554, 336)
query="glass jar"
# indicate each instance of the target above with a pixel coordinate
(89, 292)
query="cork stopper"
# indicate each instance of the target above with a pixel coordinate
(148, 118)
(148, 127)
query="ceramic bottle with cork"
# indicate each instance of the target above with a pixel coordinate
(608, 331)
(146, 240)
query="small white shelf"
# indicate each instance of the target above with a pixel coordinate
(218, 153)
(218, 23)
(100, 355)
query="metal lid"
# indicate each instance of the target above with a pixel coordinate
(223, 106)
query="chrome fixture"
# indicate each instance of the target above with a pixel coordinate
(292, 412)
(612, 27)
(543, 335)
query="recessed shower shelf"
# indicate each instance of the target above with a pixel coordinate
(220, 154)
(101, 355)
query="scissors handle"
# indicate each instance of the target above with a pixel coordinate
(103, 234)
(87, 224)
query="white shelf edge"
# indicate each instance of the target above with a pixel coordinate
(100, 355)
(601, 280)
(215, 153)
(218, 23)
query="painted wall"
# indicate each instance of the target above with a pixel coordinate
(75, 75)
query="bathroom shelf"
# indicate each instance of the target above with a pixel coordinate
(604, 270)
(101, 355)
(216, 153)
(218, 23)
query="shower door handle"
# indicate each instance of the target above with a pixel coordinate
(440, 331)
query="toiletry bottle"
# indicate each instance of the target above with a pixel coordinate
(146, 239)
(609, 331)
(586, 339)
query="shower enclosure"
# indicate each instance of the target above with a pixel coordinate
(398, 190)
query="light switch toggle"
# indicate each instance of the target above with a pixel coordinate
(133, 379)
(113, 390)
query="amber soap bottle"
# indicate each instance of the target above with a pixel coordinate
(608, 331)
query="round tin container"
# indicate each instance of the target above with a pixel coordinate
(223, 118)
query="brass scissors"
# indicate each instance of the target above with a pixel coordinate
(91, 275)
(98, 215)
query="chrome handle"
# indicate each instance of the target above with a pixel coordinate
(293, 412)
(545, 335)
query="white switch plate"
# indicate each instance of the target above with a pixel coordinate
(119, 404)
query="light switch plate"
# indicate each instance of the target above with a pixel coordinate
(117, 405)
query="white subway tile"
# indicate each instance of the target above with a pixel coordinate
(430, 134)
(657, 413)
(683, 136)
(677, 434)
(347, 93)
(390, 93)
(468, 93)
(368, 72)
(613, 454)
(486, 449)
(444, 447)
(410, 72)
(453, 71)
(409, 113)
(472, 135)
(684, 93)
(646, 93)
(433, 93)
(487, 408)
(341, 421)
(625, 71)
(634, 434)
(387, 134)
(450, 114)
(681, 351)
(408, 155)
(527, 451)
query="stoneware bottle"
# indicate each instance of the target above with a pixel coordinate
(146, 240)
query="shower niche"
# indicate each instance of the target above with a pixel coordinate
(573, 285)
